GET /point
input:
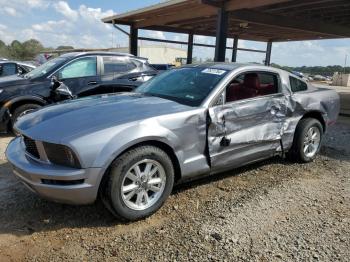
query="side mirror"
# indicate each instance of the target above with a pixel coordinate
(55, 83)
(63, 90)
(220, 100)
(54, 79)
(59, 91)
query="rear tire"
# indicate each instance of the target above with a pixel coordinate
(307, 140)
(138, 183)
(20, 111)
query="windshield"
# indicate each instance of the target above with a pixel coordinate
(187, 85)
(45, 68)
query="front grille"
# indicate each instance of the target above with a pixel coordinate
(31, 146)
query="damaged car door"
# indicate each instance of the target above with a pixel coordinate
(248, 124)
(80, 75)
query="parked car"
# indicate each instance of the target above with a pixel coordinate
(43, 58)
(162, 67)
(9, 68)
(187, 122)
(299, 74)
(85, 74)
(319, 78)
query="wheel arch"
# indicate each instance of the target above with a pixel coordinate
(316, 115)
(19, 101)
(294, 152)
(11, 105)
(160, 144)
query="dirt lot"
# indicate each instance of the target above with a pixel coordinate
(271, 211)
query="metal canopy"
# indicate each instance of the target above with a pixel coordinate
(259, 20)
(256, 20)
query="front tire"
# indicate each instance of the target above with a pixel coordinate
(20, 111)
(138, 183)
(307, 140)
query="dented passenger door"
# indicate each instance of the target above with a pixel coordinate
(244, 131)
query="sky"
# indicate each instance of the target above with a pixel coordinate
(78, 23)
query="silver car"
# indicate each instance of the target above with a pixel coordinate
(192, 121)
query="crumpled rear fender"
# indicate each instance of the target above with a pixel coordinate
(323, 102)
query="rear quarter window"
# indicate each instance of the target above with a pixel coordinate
(117, 65)
(297, 85)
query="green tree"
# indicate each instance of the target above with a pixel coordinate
(31, 48)
(64, 47)
(315, 70)
(3, 49)
(16, 49)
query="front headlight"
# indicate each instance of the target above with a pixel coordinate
(1, 90)
(61, 155)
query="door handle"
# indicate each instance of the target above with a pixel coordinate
(92, 83)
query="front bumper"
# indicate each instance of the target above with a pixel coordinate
(35, 174)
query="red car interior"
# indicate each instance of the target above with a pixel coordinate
(251, 87)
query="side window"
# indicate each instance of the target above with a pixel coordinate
(250, 85)
(8, 69)
(79, 68)
(297, 85)
(21, 70)
(117, 65)
(26, 69)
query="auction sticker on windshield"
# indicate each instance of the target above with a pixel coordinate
(214, 71)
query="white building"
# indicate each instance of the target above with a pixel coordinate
(341, 79)
(158, 54)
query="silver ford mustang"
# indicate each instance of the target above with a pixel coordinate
(131, 148)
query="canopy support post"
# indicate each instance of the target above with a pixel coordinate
(221, 35)
(133, 40)
(235, 48)
(190, 48)
(268, 53)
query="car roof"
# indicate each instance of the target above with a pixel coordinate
(231, 66)
(27, 64)
(78, 54)
(223, 65)
(18, 62)
(7, 61)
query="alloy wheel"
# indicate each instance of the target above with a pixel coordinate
(312, 141)
(143, 184)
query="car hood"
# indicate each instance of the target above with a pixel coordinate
(86, 115)
(12, 81)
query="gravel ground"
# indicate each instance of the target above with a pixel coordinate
(270, 211)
